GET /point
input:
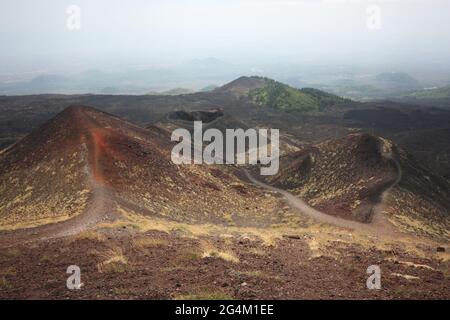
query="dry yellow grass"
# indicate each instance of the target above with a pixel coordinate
(214, 253)
(121, 291)
(114, 261)
(443, 256)
(5, 284)
(140, 223)
(8, 226)
(320, 237)
(405, 276)
(411, 264)
(90, 235)
(27, 202)
(209, 251)
(143, 243)
(188, 255)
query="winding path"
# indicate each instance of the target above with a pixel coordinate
(379, 226)
(101, 204)
(379, 208)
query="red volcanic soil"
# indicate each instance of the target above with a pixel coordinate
(130, 167)
(59, 160)
(124, 166)
(98, 136)
(173, 268)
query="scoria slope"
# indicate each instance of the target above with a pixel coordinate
(95, 166)
(44, 176)
(361, 176)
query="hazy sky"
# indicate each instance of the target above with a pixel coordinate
(156, 31)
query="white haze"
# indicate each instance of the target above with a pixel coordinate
(120, 34)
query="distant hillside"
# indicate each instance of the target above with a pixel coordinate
(177, 91)
(435, 93)
(386, 85)
(208, 88)
(437, 97)
(171, 92)
(398, 78)
(243, 85)
(283, 97)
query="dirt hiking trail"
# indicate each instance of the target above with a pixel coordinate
(100, 206)
(379, 226)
